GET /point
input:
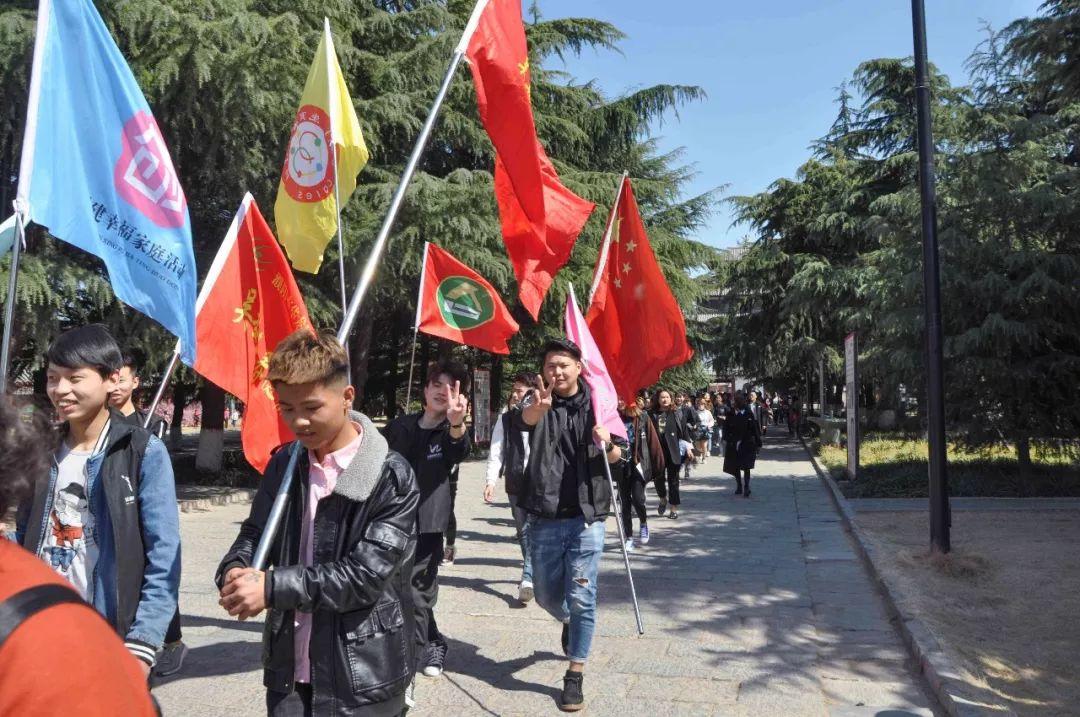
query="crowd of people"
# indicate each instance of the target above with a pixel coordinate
(352, 582)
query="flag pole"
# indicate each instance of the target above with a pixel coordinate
(273, 521)
(166, 377)
(615, 501)
(9, 307)
(412, 362)
(605, 246)
(332, 91)
(416, 323)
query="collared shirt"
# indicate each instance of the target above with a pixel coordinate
(322, 479)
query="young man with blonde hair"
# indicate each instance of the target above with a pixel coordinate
(338, 636)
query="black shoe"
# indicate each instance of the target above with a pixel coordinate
(662, 507)
(435, 658)
(566, 639)
(738, 489)
(571, 699)
(747, 493)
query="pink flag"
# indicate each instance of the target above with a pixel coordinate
(605, 400)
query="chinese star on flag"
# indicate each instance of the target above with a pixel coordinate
(249, 302)
(457, 303)
(540, 218)
(637, 323)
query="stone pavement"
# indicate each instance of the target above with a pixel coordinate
(751, 606)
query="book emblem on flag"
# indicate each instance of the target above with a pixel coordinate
(307, 175)
(463, 303)
(144, 174)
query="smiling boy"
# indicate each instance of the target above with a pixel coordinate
(338, 635)
(106, 519)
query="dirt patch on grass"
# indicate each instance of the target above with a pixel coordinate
(1004, 604)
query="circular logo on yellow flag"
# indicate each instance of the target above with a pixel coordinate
(463, 303)
(308, 175)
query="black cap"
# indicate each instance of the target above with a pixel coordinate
(560, 345)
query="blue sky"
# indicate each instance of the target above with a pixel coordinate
(770, 70)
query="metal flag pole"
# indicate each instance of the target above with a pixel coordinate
(273, 521)
(332, 91)
(412, 362)
(416, 323)
(940, 519)
(9, 307)
(605, 246)
(165, 378)
(622, 544)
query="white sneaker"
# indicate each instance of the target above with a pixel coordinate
(525, 592)
(629, 545)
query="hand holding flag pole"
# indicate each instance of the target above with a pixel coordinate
(273, 521)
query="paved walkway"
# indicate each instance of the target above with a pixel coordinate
(751, 606)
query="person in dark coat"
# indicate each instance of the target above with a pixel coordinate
(743, 438)
(671, 427)
(645, 463)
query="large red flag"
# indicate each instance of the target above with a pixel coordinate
(540, 217)
(458, 304)
(249, 302)
(637, 323)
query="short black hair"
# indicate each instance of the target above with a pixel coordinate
(90, 346)
(24, 460)
(454, 369)
(524, 377)
(131, 360)
(560, 345)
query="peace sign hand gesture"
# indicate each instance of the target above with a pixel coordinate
(541, 404)
(458, 405)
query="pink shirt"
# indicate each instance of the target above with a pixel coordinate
(322, 478)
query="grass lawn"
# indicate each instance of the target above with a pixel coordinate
(893, 466)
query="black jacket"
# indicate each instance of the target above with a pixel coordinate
(432, 463)
(743, 438)
(675, 429)
(158, 425)
(513, 456)
(357, 589)
(543, 474)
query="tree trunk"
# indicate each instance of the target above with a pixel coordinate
(394, 378)
(1023, 453)
(497, 368)
(360, 353)
(181, 392)
(211, 430)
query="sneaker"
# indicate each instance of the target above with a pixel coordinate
(572, 699)
(566, 639)
(644, 537)
(435, 658)
(662, 507)
(448, 554)
(525, 592)
(629, 545)
(170, 659)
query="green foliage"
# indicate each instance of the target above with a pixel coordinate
(224, 78)
(838, 248)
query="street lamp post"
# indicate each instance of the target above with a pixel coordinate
(940, 518)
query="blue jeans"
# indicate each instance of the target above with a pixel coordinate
(521, 526)
(565, 562)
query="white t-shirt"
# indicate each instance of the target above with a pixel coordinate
(69, 545)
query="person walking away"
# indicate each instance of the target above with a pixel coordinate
(106, 519)
(645, 462)
(568, 495)
(433, 441)
(671, 428)
(743, 439)
(507, 458)
(690, 417)
(170, 658)
(337, 638)
(703, 430)
(98, 677)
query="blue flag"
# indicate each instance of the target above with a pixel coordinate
(95, 170)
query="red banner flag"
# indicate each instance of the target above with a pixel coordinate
(637, 323)
(540, 217)
(249, 302)
(458, 304)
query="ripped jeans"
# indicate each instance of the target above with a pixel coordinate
(565, 561)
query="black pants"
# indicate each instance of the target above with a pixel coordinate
(669, 492)
(631, 497)
(289, 704)
(425, 587)
(451, 525)
(743, 481)
(172, 634)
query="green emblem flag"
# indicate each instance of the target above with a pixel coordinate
(458, 304)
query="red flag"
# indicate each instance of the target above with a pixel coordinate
(637, 323)
(458, 304)
(540, 217)
(249, 302)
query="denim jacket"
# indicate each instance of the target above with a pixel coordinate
(137, 575)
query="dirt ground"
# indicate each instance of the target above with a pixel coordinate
(1005, 604)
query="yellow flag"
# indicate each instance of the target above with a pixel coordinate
(306, 211)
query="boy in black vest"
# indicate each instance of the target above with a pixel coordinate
(338, 633)
(106, 519)
(433, 441)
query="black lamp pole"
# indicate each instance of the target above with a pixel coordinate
(940, 518)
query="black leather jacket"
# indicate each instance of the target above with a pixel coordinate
(357, 589)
